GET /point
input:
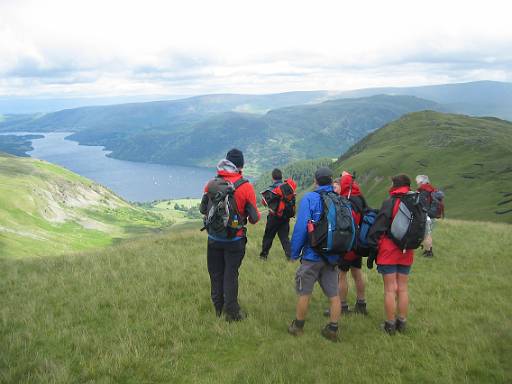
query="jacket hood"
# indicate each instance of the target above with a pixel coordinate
(227, 167)
(345, 186)
(426, 187)
(399, 191)
(324, 188)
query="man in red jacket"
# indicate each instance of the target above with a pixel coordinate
(225, 254)
(426, 189)
(393, 263)
(349, 188)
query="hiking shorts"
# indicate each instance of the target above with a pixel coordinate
(346, 265)
(309, 272)
(385, 269)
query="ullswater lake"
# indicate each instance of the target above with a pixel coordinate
(133, 181)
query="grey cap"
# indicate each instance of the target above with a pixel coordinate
(323, 176)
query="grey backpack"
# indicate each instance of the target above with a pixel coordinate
(409, 223)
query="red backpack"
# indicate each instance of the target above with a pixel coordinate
(281, 200)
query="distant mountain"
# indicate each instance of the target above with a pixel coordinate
(46, 209)
(468, 158)
(478, 98)
(278, 137)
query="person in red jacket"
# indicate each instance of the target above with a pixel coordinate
(349, 188)
(426, 189)
(225, 255)
(392, 263)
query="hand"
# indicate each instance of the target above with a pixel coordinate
(372, 255)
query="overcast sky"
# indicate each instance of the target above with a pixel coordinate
(110, 48)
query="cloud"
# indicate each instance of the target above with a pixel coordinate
(94, 48)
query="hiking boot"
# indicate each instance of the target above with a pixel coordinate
(360, 308)
(330, 334)
(218, 312)
(388, 327)
(263, 256)
(345, 310)
(400, 324)
(238, 316)
(428, 253)
(295, 330)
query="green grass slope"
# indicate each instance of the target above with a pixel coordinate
(140, 313)
(46, 209)
(469, 158)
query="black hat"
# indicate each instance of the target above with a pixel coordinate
(236, 157)
(323, 176)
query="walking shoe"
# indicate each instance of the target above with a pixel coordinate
(388, 327)
(400, 325)
(330, 334)
(295, 330)
(263, 256)
(345, 310)
(428, 253)
(360, 308)
(218, 312)
(238, 316)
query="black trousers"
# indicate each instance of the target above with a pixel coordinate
(224, 260)
(279, 226)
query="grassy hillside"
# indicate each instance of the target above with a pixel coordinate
(46, 209)
(279, 137)
(140, 312)
(469, 158)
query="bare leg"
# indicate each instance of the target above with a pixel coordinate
(427, 242)
(343, 286)
(357, 275)
(403, 295)
(390, 293)
(335, 309)
(302, 307)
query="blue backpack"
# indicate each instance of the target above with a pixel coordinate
(367, 220)
(335, 232)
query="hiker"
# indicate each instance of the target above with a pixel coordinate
(228, 202)
(432, 200)
(394, 261)
(280, 200)
(316, 266)
(349, 188)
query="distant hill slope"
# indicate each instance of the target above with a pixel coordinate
(46, 209)
(477, 98)
(469, 158)
(278, 137)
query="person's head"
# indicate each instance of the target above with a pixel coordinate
(277, 175)
(401, 180)
(422, 179)
(323, 176)
(336, 185)
(236, 157)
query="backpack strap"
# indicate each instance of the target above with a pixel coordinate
(239, 182)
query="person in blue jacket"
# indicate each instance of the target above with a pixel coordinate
(313, 267)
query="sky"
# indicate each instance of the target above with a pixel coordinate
(75, 48)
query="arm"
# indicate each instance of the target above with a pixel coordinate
(203, 207)
(300, 231)
(381, 225)
(251, 209)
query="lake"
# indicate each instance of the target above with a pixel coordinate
(133, 181)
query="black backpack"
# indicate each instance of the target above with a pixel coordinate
(222, 218)
(334, 233)
(409, 223)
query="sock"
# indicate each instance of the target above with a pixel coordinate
(333, 327)
(299, 323)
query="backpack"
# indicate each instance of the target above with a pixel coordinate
(436, 209)
(335, 232)
(280, 204)
(409, 223)
(362, 247)
(223, 219)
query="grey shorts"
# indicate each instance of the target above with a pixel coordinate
(310, 272)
